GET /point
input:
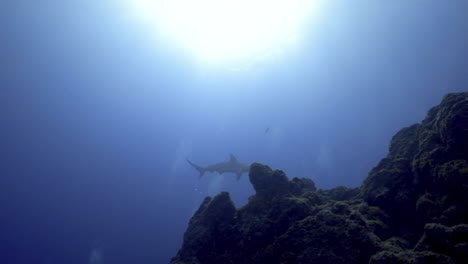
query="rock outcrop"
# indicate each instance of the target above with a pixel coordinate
(412, 207)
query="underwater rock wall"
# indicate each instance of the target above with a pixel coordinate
(412, 207)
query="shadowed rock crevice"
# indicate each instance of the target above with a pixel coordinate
(411, 208)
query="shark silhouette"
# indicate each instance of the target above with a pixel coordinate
(233, 165)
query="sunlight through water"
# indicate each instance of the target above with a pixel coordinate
(227, 31)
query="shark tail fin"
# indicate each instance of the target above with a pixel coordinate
(198, 168)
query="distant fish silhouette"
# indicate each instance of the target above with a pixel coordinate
(233, 165)
(267, 130)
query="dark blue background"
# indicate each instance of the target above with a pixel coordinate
(97, 118)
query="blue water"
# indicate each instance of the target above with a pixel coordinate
(97, 118)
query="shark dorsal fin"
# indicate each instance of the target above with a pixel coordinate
(232, 158)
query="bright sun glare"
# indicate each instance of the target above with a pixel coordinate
(227, 31)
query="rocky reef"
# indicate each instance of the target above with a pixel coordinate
(412, 207)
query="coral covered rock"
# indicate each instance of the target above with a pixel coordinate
(212, 220)
(335, 233)
(412, 208)
(268, 184)
(424, 169)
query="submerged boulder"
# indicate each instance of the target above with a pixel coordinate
(422, 179)
(268, 184)
(205, 239)
(412, 207)
(335, 233)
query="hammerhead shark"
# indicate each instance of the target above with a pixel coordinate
(233, 165)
